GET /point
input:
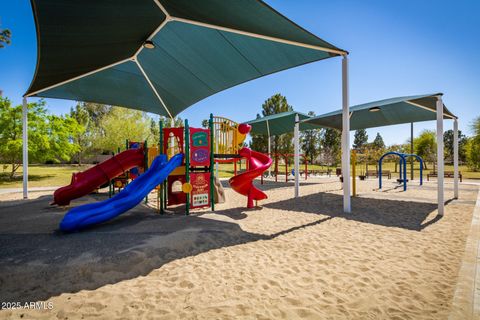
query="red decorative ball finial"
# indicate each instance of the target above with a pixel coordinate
(244, 128)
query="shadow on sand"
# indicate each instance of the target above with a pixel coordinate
(37, 262)
(366, 210)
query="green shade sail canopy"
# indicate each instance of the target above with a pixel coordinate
(385, 113)
(97, 50)
(280, 123)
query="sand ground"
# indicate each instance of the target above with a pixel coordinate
(392, 258)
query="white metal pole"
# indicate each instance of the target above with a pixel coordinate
(440, 163)
(25, 147)
(269, 148)
(455, 158)
(296, 156)
(345, 137)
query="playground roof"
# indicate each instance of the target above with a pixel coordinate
(279, 123)
(162, 56)
(385, 112)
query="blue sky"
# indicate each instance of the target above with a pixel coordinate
(396, 48)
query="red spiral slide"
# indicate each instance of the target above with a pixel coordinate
(243, 183)
(87, 181)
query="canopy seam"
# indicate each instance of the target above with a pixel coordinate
(153, 87)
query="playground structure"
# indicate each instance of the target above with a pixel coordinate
(180, 169)
(136, 62)
(403, 168)
(229, 137)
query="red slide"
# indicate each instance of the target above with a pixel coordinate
(243, 183)
(87, 181)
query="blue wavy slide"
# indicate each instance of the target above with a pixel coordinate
(93, 213)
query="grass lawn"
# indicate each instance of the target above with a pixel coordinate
(60, 175)
(40, 175)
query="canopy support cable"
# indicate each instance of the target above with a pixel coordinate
(259, 36)
(428, 109)
(160, 5)
(153, 88)
(154, 33)
(79, 77)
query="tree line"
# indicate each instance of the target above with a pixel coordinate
(323, 146)
(88, 129)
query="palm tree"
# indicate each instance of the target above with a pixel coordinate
(5, 36)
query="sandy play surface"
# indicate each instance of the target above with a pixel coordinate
(392, 258)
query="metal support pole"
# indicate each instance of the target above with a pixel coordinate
(269, 147)
(145, 163)
(440, 164)
(455, 158)
(187, 165)
(296, 155)
(25, 147)
(345, 138)
(212, 178)
(162, 187)
(411, 152)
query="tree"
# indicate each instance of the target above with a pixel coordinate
(259, 142)
(425, 146)
(11, 133)
(400, 148)
(62, 132)
(273, 105)
(49, 137)
(378, 143)
(5, 36)
(83, 137)
(279, 143)
(154, 132)
(121, 124)
(448, 143)
(331, 145)
(473, 146)
(360, 139)
(310, 142)
(475, 127)
(177, 122)
(472, 150)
